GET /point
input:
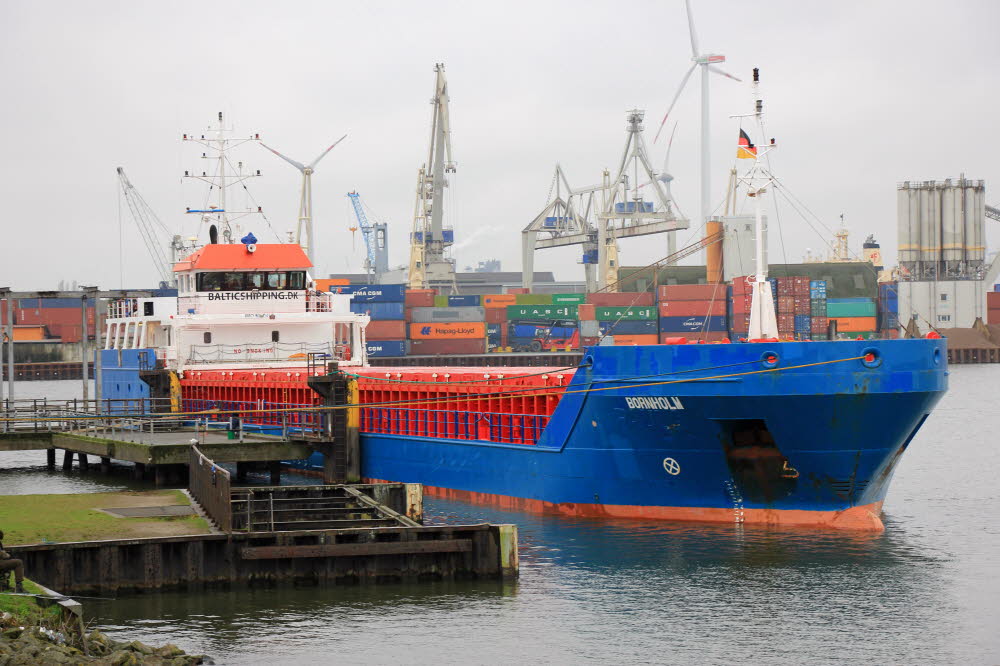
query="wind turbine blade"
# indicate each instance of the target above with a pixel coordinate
(694, 35)
(323, 154)
(716, 70)
(674, 101)
(670, 144)
(295, 164)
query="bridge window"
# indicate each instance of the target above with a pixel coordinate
(207, 337)
(274, 336)
(233, 281)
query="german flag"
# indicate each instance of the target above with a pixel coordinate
(746, 150)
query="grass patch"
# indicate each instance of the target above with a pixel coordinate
(27, 610)
(59, 518)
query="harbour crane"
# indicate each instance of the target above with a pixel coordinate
(429, 265)
(151, 228)
(377, 261)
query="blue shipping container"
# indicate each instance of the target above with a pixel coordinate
(626, 327)
(381, 348)
(714, 323)
(493, 329)
(803, 323)
(373, 293)
(462, 301)
(379, 310)
(43, 303)
(817, 284)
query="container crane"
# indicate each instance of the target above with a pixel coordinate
(429, 266)
(377, 261)
(151, 228)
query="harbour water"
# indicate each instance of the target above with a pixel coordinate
(925, 591)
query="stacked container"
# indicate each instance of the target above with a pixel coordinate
(888, 310)
(457, 327)
(695, 311)
(993, 306)
(60, 316)
(495, 309)
(817, 310)
(627, 325)
(854, 316)
(385, 304)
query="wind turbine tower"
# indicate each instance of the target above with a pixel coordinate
(707, 62)
(305, 203)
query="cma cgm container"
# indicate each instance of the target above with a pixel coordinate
(468, 313)
(386, 348)
(380, 309)
(448, 331)
(713, 323)
(373, 293)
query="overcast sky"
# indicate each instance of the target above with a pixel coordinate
(860, 95)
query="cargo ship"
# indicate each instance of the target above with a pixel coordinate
(773, 432)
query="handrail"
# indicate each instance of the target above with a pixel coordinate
(209, 484)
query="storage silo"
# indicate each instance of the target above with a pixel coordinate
(975, 221)
(908, 248)
(952, 228)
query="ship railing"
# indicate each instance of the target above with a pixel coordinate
(272, 418)
(259, 351)
(123, 308)
(497, 427)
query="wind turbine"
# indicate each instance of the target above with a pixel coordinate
(707, 62)
(305, 204)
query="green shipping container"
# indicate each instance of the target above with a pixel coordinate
(820, 336)
(533, 299)
(440, 301)
(541, 312)
(568, 299)
(866, 309)
(625, 314)
(817, 307)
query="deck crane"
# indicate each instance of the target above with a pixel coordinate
(377, 261)
(429, 265)
(151, 228)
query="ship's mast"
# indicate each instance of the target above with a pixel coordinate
(226, 175)
(763, 321)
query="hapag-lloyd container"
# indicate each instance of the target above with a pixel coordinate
(447, 331)
(449, 314)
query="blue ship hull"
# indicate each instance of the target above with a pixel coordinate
(702, 432)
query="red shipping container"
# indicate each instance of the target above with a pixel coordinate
(589, 342)
(379, 329)
(707, 336)
(786, 286)
(448, 347)
(672, 339)
(786, 305)
(993, 316)
(819, 324)
(420, 298)
(741, 324)
(692, 308)
(627, 299)
(993, 300)
(802, 305)
(516, 290)
(496, 315)
(408, 315)
(740, 286)
(786, 323)
(691, 292)
(800, 286)
(586, 312)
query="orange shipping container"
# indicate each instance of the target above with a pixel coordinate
(854, 324)
(24, 333)
(586, 312)
(324, 284)
(499, 300)
(449, 331)
(644, 339)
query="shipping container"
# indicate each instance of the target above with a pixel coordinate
(494, 335)
(385, 330)
(800, 286)
(786, 286)
(589, 329)
(447, 347)
(420, 298)
(618, 313)
(386, 348)
(517, 290)
(852, 308)
(29, 333)
(854, 324)
(468, 313)
(803, 323)
(586, 311)
(786, 323)
(802, 306)
(624, 299)
(817, 307)
(691, 292)
(327, 284)
(568, 299)
(440, 301)
(786, 305)
(820, 336)
(687, 324)
(373, 293)
(692, 308)
(495, 315)
(648, 339)
(533, 299)
(447, 331)
(819, 324)
(541, 312)
(698, 337)
(993, 300)
(380, 310)
(628, 327)
(465, 300)
(499, 300)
